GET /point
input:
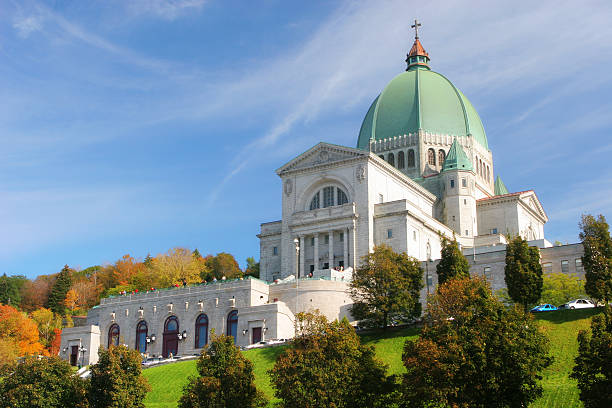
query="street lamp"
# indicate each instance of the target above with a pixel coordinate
(82, 350)
(296, 242)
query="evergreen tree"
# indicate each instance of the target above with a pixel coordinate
(474, 352)
(523, 272)
(116, 380)
(593, 369)
(386, 287)
(196, 254)
(59, 290)
(452, 262)
(327, 366)
(225, 379)
(148, 261)
(597, 258)
(10, 289)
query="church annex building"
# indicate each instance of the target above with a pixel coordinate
(421, 167)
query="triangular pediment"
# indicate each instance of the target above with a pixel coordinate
(321, 154)
(530, 199)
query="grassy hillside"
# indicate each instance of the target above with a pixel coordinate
(559, 391)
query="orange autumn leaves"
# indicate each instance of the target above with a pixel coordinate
(19, 331)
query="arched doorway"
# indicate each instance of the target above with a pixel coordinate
(113, 335)
(171, 330)
(232, 324)
(141, 337)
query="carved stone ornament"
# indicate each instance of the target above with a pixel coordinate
(360, 173)
(288, 187)
(324, 155)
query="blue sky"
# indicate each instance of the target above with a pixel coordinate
(138, 126)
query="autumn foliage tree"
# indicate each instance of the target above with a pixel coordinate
(474, 352)
(225, 379)
(327, 366)
(22, 331)
(47, 322)
(523, 272)
(386, 286)
(223, 264)
(452, 263)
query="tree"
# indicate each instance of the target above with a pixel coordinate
(386, 286)
(225, 379)
(523, 272)
(560, 288)
(252, 268)
(116, 380)
(597, 258)
(175, 266)
(593, 369)
(44, 383)
(452, 262)
(474, 352)
(327, 366)
(18, 328)
(58, 291)
(35, 294)
(87, 293)
(224, 264)
(71, 299)
(47, 323)
(10, 289)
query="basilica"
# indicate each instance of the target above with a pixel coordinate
(421, 169)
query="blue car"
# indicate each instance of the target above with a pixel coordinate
(544, 308)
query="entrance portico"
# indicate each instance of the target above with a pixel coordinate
(326, 249)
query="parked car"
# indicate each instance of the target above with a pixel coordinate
(579, 304)
(544, 308)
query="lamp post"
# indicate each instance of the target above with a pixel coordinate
(296, 242)
(82, 350)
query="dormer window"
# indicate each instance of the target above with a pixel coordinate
(328, 197)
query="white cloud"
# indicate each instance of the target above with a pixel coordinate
(27, 25)
(166, 9)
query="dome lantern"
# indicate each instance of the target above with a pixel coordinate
(417, 57)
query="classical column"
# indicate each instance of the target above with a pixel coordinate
(302, 256)
(345, 252)
(331, 249)
(316, 251)
(353, 246)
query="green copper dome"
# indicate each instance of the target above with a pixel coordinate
(420, 99)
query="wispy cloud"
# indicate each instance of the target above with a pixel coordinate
(165, 9)
(27, 25)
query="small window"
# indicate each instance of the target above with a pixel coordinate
(453, 218)
(327, 239)
(400, 160)
(565, 266)
(275, 251)
(431, 157)
(441, 157)
(391, 159)
(452, 183)
(487, 271)
(467, 233)
(463, 182)
(411, 158)
(311, 268)
(342, 237)
(414, 235)
(389, 233)
(579, 265)
(312, 241)
(464, 201)
(493, 231)
(381, 199)
(326, 265)
(547, 267)
(328, 197)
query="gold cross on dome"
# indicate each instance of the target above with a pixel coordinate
(416, 26)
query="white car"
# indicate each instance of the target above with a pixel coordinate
(579, 304)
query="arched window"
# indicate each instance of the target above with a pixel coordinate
(232, 324)
(113, 335)
(328, 197)
(488, 173)
(431, 157)
(391, 159)
(141, 337)
(481, 169)
(400, 160)
(201, 331)
(477, 166)
(342, 199)
(411, 158)
(315, 202)
(441, 157)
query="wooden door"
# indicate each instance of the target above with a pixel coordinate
(74, 355)
(256, 335)
(170, 345)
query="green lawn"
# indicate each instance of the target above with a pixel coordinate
(559, 391)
